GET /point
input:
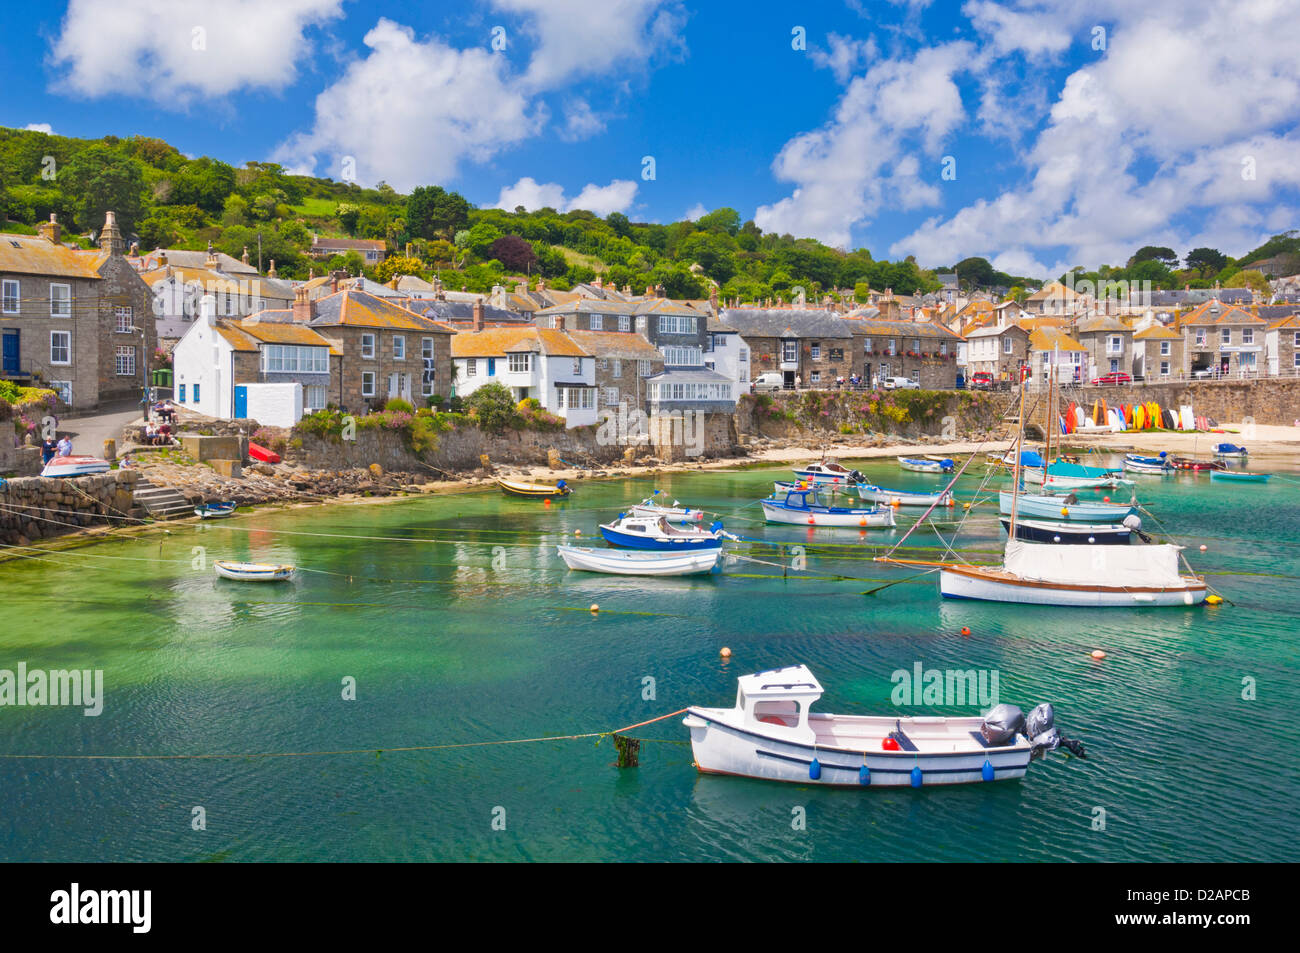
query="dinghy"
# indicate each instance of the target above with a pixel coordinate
(258, 452)
(1061, 531)
(1229, 450)
(651, 507)
(1196, 466)
(1063, 508)
(771, 734)
(806, 507)
(74, 466)
(1237, 476)
(215, 511)
(253, 572)
(925, 465)
(828, 471)
(623, 562)
(655, 532)
(880, 494)
(1133, 463)
(534, 491)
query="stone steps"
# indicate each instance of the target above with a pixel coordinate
(162, 502)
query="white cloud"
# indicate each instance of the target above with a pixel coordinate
(695, 212)
(44, 127)
(174, 51)
(845, 55)
(410, 112)
(580, 121)
(617, 196)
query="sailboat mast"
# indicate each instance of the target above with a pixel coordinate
(1015, 473)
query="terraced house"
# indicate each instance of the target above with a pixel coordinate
(73, 320)
(541, 363)
(1223, 340)
(806, 347)
(1157, 353)
(923, 351)
(1109, 343)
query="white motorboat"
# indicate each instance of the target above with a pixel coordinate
(925, 465)
(657, 533)
(652, 507)
(888, 497)
(75, 466)
(771, 734)
(828, 471)
(253, 572)
(636, 562)
(805, 507)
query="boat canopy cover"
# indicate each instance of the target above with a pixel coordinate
(1228, 448)
(1030, 458)
(1093, 565)
(1062, 468)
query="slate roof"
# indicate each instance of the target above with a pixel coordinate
(623, 345)
(494, 342)
(36, 255)
(787, 323)
(352, 308)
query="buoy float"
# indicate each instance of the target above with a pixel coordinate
(889, 744)
(1105, 499)
(577, 532)
(965, 630)
(965, 506)
(1056, 539)
(1098, 654)
(863, 521)
(986, 772)
(895, 502)
(1064, 511)
(1092, 539)
(916, 777)
(864, 775)
(1213, 600)
(1204, 547)
(726, 652)
(811, 521)
(815, 769)
(546, 502)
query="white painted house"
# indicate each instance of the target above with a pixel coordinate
(532, 362)
(727, 353)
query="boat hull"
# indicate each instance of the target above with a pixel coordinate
(1103, 534)
(673, 514)
(879, 494)
(820, 476)
(776, 512)
(1043, 508)
(924, 466)
(1236, 476)
(66, 467)
(991, 585)
(722, 748)
(1150, 469)
(656, 543)
(214, 512)
(533, 491)
(638, 562)
(253, 572)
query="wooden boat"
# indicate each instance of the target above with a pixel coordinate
(534, 491)
(1061, 508)
(828, 471)
(74, 466)
(623, 562)
(651, 507)
(258, 452)
(253, 572)
(1230, 450)
(880, 494)
(1196, 466)
(806, 507)
(215, 511)
(1238, 476)
(771, 734)
(926, 465)
(1062, 531)
(1133, 463)
(655, 532)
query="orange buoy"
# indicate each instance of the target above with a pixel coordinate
(1204, 547)
(595, 607)
(1098, 654)
(1064, 511)
(546, 502)
(965, 630)
(726, 652)
(863, 521)
(1105, 499)
(577, 532)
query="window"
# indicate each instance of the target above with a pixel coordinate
(1296, 359)
(60, 347)
(1200, 335)
(744, 356)
(1247, 335)
(313, 397)
(1115, 344)
(1225, 336)
(1295, 341)
(12, 299)
(180, 393)
(292, 359)
(519, 363)
(577, 365)
(625, 322)
(1164, 368)
(60, 301)
(789, 352)
(815, 351)
(125, 360)
(615, 368)
(611, 396)
(123, 316)
(683, 356)
(1007, 344)
(399, 347)
(64, 390)
(815, 377)
(643, 368)
(893, 347)
(597, 322)
(943, 349)
(582, 398)
(866, 345)
(471, 367)
(430, 372)
(367, 383)
(676, 324)
(368, 346)
(196, 393)
(602, 364)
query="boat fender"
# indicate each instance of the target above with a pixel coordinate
(560, 484)
(916, 777)
(815, 770)
(889, 744)
(864, 775)
(986, 772)
(716, 526)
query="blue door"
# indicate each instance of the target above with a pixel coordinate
(11, 352)
(241, 402)
(492, 366)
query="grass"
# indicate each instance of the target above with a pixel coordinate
(316, 208)
(578, 258)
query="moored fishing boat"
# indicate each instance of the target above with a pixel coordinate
(1064, 508)
(828, 471)
(771, 734)
(253, 572)
(652, 507)
(655, 532)
(215, 511)
(1238, 476)
(1229, 450)
(926, 465)
(535, 491)
(1158, 465)
(1061, 531)
(801, 507)
(74, 466)
(636, 562)
(880, 494)
(1196, 466)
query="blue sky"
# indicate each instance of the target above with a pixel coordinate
(1073, 132)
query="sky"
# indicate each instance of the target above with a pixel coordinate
(1041, 134)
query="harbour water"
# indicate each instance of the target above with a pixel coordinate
(459, 624)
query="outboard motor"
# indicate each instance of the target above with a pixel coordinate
(1002, 724)
(855, 476)
(1040, 728)
(1133, 522)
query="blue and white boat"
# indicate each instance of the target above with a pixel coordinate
(1157, 466)
(1063, 531)
(926, 465)
(805, 507)
(656, 532)
(1229, 450)
(828, 471)
(650, 506)
(880, 494)
(1064, 508)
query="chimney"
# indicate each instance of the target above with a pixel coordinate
(208, 311)
(713, 298)
(51, 231)
(244, 256)
(162, 259)
(521, 288)
(541, 284)
(478, 314)
(559, 322)
(649, 291)
(627, 290)
(597, 283)
(303, 310)
(212, 261)
(270, 273)
(110, 237)
(135, 249)
(334, 283)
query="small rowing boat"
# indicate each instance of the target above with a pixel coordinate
(880, 494)
(1238, 476)
(1196, 466)
(1229, 450)
(655, 532)
(534, 491)
(1158, 466)
(74, 466)
(651, 507)
(636, 562)
(828, 471)
(800, 507)
(253, 572)
(215, 511)
(1061, 531)
(1063, 508)
(926, 465)
(772, 735)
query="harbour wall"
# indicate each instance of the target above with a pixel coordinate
(1273, 402)
(33, 508)
(948, 414)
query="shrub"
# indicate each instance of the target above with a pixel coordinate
(493, 406)
(397, 405)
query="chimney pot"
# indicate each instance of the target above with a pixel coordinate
(478, 314)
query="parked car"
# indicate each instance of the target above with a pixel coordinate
(900, 383)
(1205, 373)
(981, 380)
(1117, 377)
(766, 383)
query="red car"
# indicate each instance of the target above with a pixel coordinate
(1117, 377)
(981, 380)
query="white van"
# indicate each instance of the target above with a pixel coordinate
(900, 383)
(766, 383)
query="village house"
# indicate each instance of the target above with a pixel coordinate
(807, 348)
(1222, 340)
(372, 250)
(178, 290)
(71, 320)
(1109, 343)
(265, 367)
(924, 352)
(1282, 345)
(728, 354)
(625, 362)
(545, 364)
(1157, 353)
(1050, 346)
(1057, 300)
(999, 351)
(589, 314)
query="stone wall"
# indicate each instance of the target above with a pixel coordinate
(34, 508)
(1269, 402)
(908, 413)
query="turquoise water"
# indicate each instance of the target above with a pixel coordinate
(447, 647)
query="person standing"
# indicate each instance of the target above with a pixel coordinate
(48, 449)
(64, 446)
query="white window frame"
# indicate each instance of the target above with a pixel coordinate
(789, 352)
(371, 377)
(519, 363)
(124, 357)
(1007, 345)
(399, 347)
(676, 324)
(54, 299)
(12, 290)
(615, 367)
(577, 365)
(124, 312)
(643, 368)
(597, 322)
(611, 397)
(625, 322)
(368, 346)
(66, 336)
(471, 367)
(430, 370)
(815, 351)
(1225, 335)
(63, 389)
(1165, 349)
(1164, 368)
(309, 405)
(1247, 335)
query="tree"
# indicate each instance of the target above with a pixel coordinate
(713, 251)
(720, 220)
(1250, 278)
(433, 212)
(1204, 260)
(619, 223)
(975, 272)
(513, 252)
(391, 267)
(348, 215)
(102, 180)
(1158, 253)
(493, 406)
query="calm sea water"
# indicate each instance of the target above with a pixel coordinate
(459, 624)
